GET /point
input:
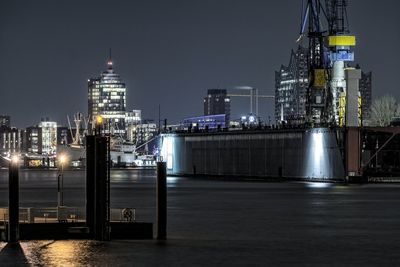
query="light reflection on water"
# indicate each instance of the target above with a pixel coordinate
(61, 252)
(172, 181)
(319, 185)
(237, 223)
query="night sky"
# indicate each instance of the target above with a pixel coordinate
(167, 52)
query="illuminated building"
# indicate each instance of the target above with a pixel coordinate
(146, 131)
(106, 97)
(140, 135)
(217, 102)
(132, 120)
(10, 140)
(33, 136)
(291, 83)
(49, 137)
(133, 117)
(10, 137)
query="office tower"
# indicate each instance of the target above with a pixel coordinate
(106, 98)
(217, 102)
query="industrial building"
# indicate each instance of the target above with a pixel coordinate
(107, 98)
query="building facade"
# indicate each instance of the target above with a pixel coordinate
(291, 83)
(217, 102)
(133, 117)
(10, 140)
(107, 98)
(49, 137)
(132, 120)
(33, 140)
(145, 131)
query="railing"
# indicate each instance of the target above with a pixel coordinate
(64, 214)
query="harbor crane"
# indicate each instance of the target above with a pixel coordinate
(329, 48)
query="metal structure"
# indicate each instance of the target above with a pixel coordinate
(340, 44)
(330, 49)
(254, 97)
(316, 102)
(77, 138)
(314, 154)
(98, 184)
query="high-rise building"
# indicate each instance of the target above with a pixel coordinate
(5, 121)
(291, 83)
(366, 94)
(106, 97)
(217, 102)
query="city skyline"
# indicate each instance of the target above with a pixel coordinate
(220, 45)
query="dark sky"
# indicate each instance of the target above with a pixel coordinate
(167, 52)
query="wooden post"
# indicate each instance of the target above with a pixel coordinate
(161, 200)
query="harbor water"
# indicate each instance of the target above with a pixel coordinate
(214, 222)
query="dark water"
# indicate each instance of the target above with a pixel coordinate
(214, 223)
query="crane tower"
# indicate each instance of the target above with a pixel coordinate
(330, 49)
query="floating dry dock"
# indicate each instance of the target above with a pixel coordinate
(315, 153)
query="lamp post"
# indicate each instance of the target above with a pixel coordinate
(60, 180)
(99, 124)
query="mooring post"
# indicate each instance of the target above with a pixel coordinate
(90, 181)
(13, 201)
(161, 208)
(102, 187)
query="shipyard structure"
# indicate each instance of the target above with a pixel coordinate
(322, 107)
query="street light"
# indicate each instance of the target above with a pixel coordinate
(60, 179)
(99, 124)
(15, 159)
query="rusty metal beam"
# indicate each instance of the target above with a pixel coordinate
(384, 144)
